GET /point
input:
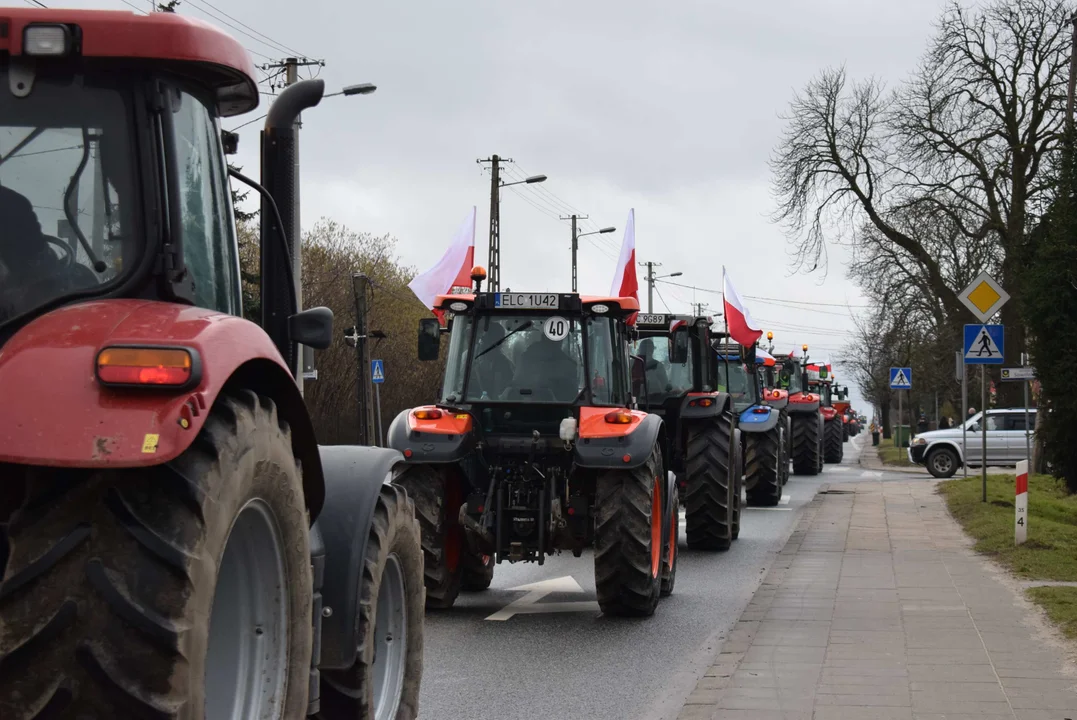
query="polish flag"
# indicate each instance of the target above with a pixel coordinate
(764, 357)
(739, 321)
(452, 271)
(624, 280)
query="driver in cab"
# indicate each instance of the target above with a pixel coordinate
(30, 271)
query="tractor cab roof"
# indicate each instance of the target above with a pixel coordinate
(728, 350)
(545, 302)
(174, 42)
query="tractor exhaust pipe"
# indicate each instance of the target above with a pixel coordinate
(280, 177)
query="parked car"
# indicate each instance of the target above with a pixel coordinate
(940, 450)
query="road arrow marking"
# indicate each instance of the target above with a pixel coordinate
(529, 603)
(871, 473)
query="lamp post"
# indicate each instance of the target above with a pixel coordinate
(576, 244)
(493, 283)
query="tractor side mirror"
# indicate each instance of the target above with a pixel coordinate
(639, 378)
(313, 328)
(429, 339)
(678, 351)
(230, 141)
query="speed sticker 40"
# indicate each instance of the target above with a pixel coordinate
(556, 328)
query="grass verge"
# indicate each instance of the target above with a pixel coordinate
(1050, 553)
(890, 455)
(1061, 606)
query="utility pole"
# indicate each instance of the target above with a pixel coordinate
(650, 283)
(575, 244)
(493, 272)
(290, 67)
(698, 308)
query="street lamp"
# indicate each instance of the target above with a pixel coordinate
(676, 274)
(576, 244)
(360, 89)
(530, 181)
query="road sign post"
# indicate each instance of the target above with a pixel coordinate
(984, 345)
(983, 297)
(377, 375)
(1020, 504)
(900, 379)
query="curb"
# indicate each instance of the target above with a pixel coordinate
(703, 700)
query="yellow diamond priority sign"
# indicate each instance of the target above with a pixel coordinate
(984, 297)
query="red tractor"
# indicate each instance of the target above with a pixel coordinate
(536, 447)
(173, 541)
(805, 418)
(820, 382)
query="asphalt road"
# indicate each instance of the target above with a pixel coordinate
(553, 655)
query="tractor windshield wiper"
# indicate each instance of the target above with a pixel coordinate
(522, 327)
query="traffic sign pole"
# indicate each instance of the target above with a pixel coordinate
(377, 400)
(1028, 437)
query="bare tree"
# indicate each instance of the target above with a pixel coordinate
(967, 137)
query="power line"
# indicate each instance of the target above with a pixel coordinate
(257, 36)
(36, 3)
(807, 303)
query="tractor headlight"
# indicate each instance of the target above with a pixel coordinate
(42, 40)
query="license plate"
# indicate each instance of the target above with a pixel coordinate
(650, 319)
(526, 301)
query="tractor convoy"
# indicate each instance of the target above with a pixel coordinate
(174, 543)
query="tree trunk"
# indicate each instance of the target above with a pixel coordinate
(1039, 464)
(1009, 394)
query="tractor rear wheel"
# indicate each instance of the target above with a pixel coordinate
(763, 454)
(478, 572)
(806, 456)
(437, 504)
(383, 684)
(708, 497)
(181, 591)
(833, 448)
(629, 541)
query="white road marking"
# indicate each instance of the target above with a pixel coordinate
(529, 604)
(785, 500)
(840, 468)
(871, 473)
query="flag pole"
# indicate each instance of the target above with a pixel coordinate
(725, 327)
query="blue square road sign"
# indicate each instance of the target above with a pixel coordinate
(900, 378)
(377, 371)
(984, 345)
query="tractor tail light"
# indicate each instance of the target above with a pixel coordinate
(619, 417)
(760, 410)
(701, 402)
(432, 414)
(147, 367)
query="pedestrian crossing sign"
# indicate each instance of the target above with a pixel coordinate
(900, 378)
(377, 371)
(984, 344)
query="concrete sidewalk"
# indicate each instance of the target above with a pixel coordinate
(877, 609)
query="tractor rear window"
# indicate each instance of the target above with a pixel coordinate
(67, 191)
(664, 378)
(737, 381)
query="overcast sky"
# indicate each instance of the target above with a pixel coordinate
(673, 112)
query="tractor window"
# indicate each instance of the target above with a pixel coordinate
(67, 198)
(520, 358)
(664, 379)
(206, 205)
(789, 378)
(607, 361)
(456, 361)
(739, 383)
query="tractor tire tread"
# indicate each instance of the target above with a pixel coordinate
(708, 497)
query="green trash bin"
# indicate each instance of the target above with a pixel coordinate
(902, 433)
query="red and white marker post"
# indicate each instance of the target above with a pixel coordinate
(1020, 505)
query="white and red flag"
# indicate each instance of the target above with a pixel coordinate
(624, 280)
(738, 320)
(453, 270)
